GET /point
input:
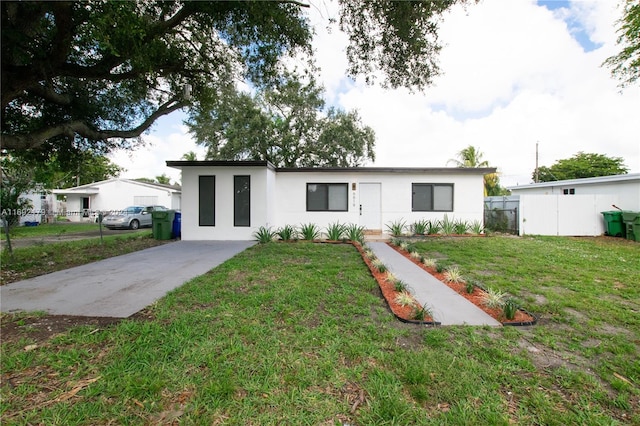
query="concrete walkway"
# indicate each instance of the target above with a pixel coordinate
(448, 306)
(119, 286)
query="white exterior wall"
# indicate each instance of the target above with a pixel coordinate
(628, 192)
(224, 196)
(39, 205)
(396, 197)
(279, 198)
(564, 215)
(115, 195)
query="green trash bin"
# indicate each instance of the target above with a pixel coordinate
(632, 224)
(614, 223)
(162, 224)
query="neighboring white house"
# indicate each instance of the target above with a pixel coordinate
(116, 194)
(40, 202)
(230, 200)
(575, 206)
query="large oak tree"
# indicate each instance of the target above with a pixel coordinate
(96, 74)
(285, 125)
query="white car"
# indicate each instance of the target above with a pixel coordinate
(132, 217)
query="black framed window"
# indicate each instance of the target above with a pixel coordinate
(322, 197)
(242, 201)
(570, 191)
(432, 197)
(207, 200)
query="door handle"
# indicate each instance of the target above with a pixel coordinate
(360, 209)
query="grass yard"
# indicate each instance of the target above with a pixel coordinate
(298, 334)
(51, 229)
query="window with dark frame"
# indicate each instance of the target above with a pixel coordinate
(432, 197)
(242, 201)
(207, 200)
(327, 197)
(570, 191)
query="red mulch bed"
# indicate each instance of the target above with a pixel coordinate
(521, 317)
(403, 313)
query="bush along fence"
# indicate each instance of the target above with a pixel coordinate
(501, 306)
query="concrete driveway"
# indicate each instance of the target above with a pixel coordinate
(120, 286)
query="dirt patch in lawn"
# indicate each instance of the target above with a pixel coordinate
(41, 328)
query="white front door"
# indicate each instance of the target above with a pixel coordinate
(370, 206)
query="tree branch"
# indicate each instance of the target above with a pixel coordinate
(49, 94)
(81, 128)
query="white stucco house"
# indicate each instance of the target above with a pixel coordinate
(40, 202)
(115, 194)
(230, 200)
(574, 207)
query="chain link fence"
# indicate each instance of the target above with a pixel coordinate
(501, 213)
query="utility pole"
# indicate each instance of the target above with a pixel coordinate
(536, 178)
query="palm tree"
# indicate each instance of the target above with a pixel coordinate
(469, 157)
(190, 156)
(472, 157)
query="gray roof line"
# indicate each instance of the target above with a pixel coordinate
(222, 163)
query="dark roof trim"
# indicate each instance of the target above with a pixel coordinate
(437, 170)
(220, 163)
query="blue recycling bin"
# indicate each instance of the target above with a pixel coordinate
(177, 224)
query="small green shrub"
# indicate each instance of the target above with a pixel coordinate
(419, 227)
(399, 285)
(430, 262)
(309, 231)
(447, 226)
(404, 245)
(396, 242)
(335, 231)
(377, 263)
(397, 228)
(264, 235)
(440, 268)
(460, 227)
(433, 227)
(493, 298)
(404, 298)
(510, 307)
(421, 312)
(470, 287)
(287, 233)
(355, 232)
(453, 275)
(476, 227)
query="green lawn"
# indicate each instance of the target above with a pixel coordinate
(51, 229)
(298, 334)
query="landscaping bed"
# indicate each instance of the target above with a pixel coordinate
(477, 296)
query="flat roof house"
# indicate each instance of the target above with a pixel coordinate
(230, 200)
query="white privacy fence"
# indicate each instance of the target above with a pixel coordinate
(567, 215)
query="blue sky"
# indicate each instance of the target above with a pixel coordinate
(516, 73)
(577, 29)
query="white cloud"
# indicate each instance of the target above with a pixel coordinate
(514, 74)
